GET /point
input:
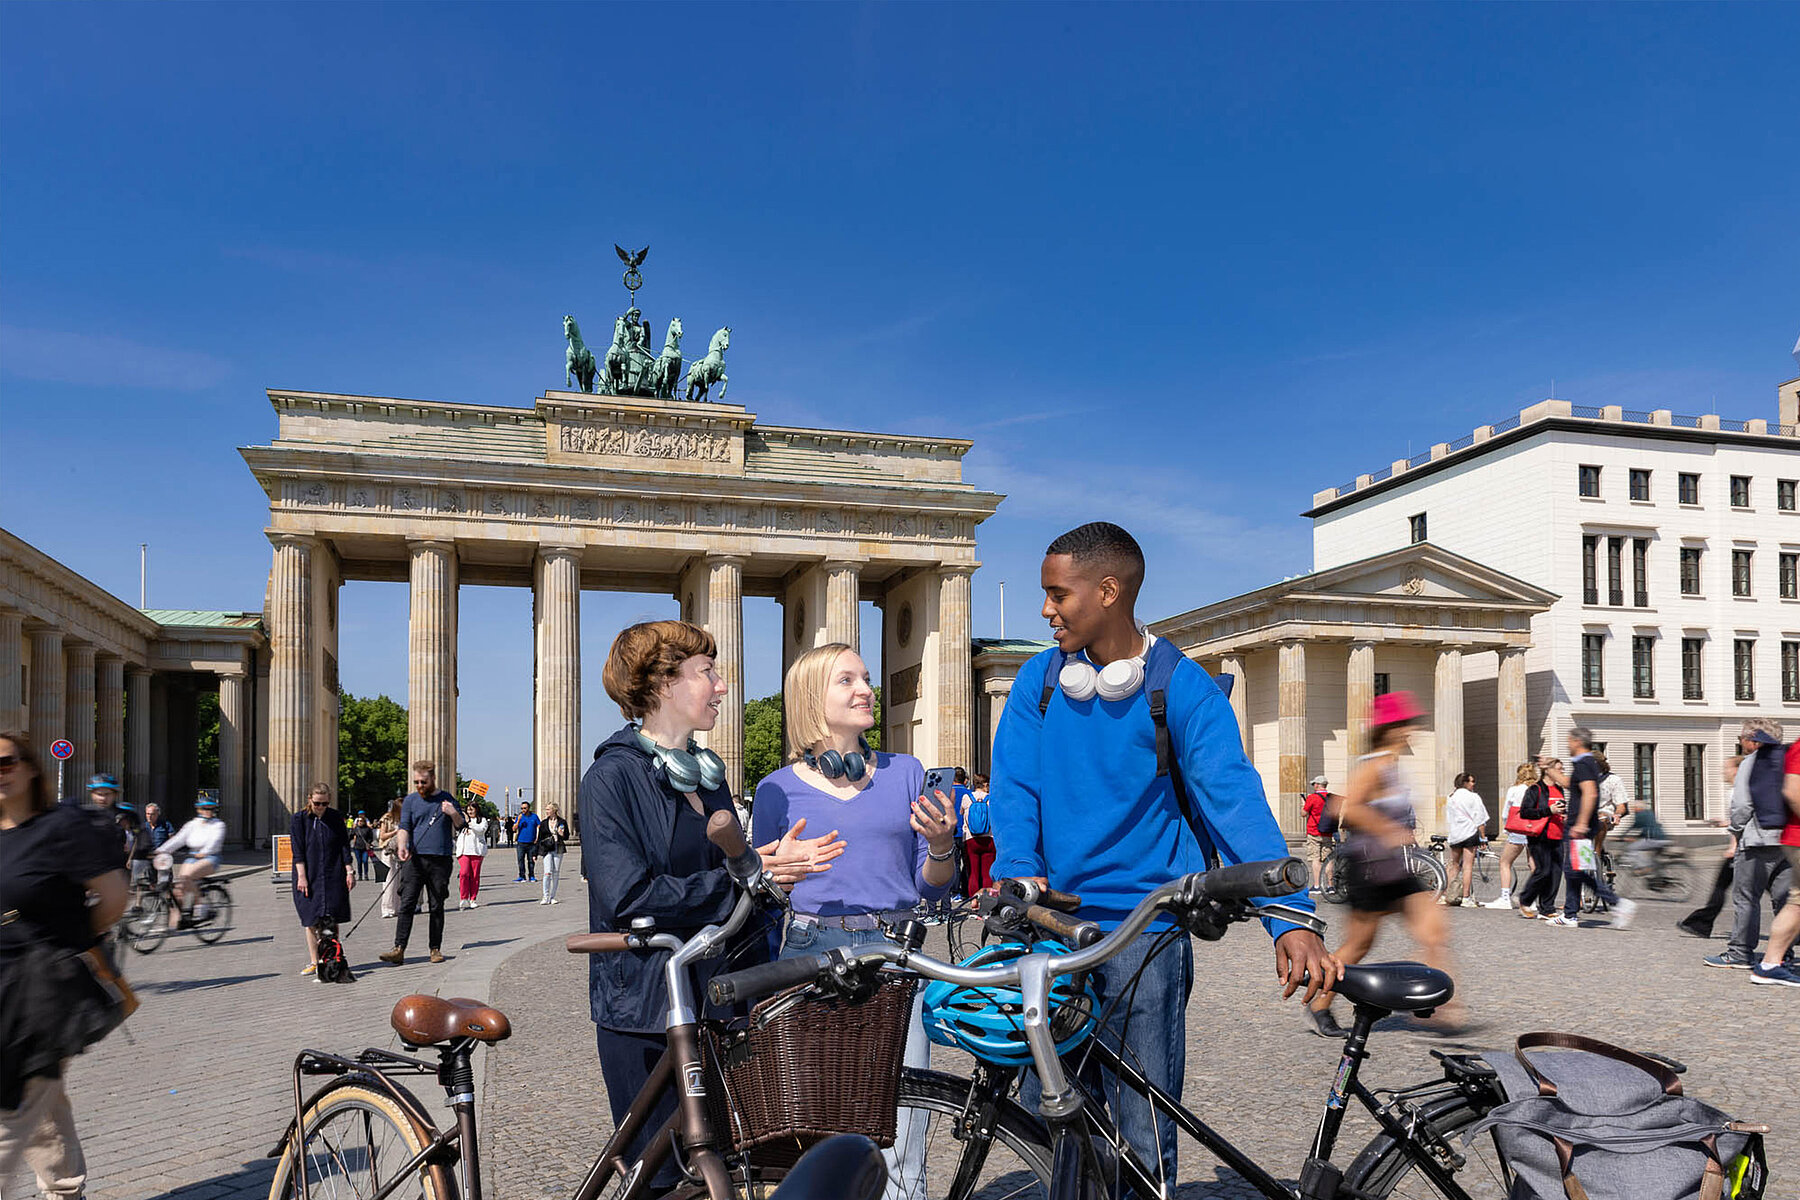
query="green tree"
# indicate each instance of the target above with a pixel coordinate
(765, 745)
(206, 719)
(371, 753)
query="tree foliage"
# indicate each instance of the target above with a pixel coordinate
(371, 753)
(765, 747)
(206, 720)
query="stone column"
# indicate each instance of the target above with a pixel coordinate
(109, 717)
(1447, 720)
(1290, 734)
(1233, 665)
(1359, 693)
(843, 615)
(234, 802)
(725, 621)
(78, 714)
(956, 689)
(48, 676)
(558, 607)
(137, 725)
(431, 660)
(290, 672)
(1511, 741)
(12, 667)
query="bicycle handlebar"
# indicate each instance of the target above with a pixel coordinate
(766, 978)
(1253, 880)
(724, 831)
(597, 943)
(1073, 931)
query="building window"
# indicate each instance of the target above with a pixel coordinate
(1417, 523)
(1382, 686)
(1640, 484)
(1643, 762)
(1789, 565)
(1743, 667)
(1593, 681)
(1640, 572)
(1691, 685)
(1740, 491)
(1615, 571)
(1693, 781)
(1688, 487)
(1784, 494)
(1590, 570)
(1590, 480)
(1740, 572)
(1790, 670)
(1643, 684)
(1690, 570)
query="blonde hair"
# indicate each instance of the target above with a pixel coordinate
(803, 697)
(1766, 725)
(1527, 773)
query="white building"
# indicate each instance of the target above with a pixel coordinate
(1673, 546)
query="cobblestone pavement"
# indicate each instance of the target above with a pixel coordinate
(1251, 1071)
(189, 1096)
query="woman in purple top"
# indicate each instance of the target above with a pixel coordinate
(898, 845)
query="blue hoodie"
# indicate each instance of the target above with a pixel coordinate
(1076, 799)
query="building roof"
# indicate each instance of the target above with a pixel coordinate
(1010, 645)
(200, 618)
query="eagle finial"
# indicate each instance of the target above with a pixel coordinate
(631, 260)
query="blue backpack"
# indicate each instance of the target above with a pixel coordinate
(1765, 788)
(980, 822)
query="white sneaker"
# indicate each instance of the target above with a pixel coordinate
(1503, 900)
(554, 900)
(474, 904)
(1623, 912)
(1562, 922)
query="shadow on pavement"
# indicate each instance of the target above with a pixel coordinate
(250, 1180)
(489, 942)
(190, 985)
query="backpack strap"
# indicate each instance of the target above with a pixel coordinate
(1052, 670)
(1671, 1082)
(1159, 670)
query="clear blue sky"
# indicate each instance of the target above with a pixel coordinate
(1173, 266)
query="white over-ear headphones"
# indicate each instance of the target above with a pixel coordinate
(1117, 680)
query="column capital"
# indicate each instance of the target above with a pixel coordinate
(236, 674)
(281, 537)
(1363, 643)
(723, 560)
(950, 570)
(134, 671)
(548, 552)
(845, 564)
(447, 545)
(79, 648)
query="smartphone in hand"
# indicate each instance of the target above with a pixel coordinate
(941, 779)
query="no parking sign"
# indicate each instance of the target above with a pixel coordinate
(62, 748)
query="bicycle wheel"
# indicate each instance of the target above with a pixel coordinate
(149, 927)
(1430, 873)
(1337, 891)
(217, 897)
(357, 1138)
(1015, 1162)
(1384, 1168)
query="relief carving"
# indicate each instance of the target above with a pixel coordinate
(941, 527)
(453, 502)
(829, 522)
(645, 442)
(360, 498)
(865, 523)
(496, 504)
(905, 526)
(542, 507)
(628, 510)
(787, 518)
(667, 514)
(584, 510)
(709, 514)
(314, 494)
(406, 500)
(904, 685)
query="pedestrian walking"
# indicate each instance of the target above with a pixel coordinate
(324, 868)
(1581, 865)
(429, 820)
(552, 842)
(1699, 923)
(525, 839)
(1465, 828)
(1761, 864)
(978, 838)
(387, 847)
(362, 844)
(1540, 819)
(471, 854)
(1786, 926)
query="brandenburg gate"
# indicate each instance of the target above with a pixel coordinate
(694, 500)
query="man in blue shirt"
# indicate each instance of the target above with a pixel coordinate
(426, 847)
(526, 833)
(1077, 803)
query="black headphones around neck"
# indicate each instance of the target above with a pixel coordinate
(832, 765)
(684, 770)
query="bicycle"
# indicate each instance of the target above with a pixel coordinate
(145, 927)
(1654, 872)
(1485, 859)
(1431, 874)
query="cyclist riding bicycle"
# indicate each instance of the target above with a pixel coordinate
(204, 840)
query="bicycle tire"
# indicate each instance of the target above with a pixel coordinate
(1382, 1169)
(1671, 877)
(218, 896)
(146, 931)
(1338, 890)
(1017, 1132)
(1430, 873)
(339, 1166)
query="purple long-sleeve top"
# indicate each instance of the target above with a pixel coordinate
(883, 864)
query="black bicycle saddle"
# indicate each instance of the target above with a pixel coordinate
(1395, 987)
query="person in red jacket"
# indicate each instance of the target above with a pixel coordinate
(1320, 844)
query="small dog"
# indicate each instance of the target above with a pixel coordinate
(333, 966)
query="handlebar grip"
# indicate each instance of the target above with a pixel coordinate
(754, 982)
(1066, 902)
(596, 943)
(1252, 880)
(1076, 934)
(1029, 891)
(724, 831)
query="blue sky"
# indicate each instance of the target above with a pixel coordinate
(1172, 266)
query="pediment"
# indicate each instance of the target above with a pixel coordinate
(1423, 572)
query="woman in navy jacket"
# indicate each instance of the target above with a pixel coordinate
(645, 853)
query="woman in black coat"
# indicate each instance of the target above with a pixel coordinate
(324, 868)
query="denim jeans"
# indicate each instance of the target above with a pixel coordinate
(906, 1161)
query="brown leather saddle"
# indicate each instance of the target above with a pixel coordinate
(431, 1020)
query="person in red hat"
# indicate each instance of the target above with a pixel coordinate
(1379, 823)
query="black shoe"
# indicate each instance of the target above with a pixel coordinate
(1694, 929)
(1321, 1022)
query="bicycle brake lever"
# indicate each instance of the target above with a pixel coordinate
(1294, 916)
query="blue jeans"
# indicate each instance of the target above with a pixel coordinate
(1155, 1042)
(906, 1161)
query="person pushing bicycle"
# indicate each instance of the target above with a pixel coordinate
(1097, 739)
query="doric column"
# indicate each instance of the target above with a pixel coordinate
(78, 713)
(558, 608)
(843, 620)
(1511, 740)
(137, 725)
(290, 671)
(1290, 733)
(1359, 694)
(234, 711)
(109, 717)
(725, 621)
(1447, 719)
(431, 660)
(48, 675)
(956, 689)
(12, 668)
(1233, 665)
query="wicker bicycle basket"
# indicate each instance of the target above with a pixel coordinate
(801, 1068)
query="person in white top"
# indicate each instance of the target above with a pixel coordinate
(471, 849)
(1465, 820)
(204, 840)
(1523, 778)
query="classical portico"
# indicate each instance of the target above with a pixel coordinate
(577, 492)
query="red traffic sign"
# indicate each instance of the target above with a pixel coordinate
(62, 748)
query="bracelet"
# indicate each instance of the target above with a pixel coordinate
(944, 857)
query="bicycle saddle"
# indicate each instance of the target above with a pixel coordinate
(1395, 987)
(845, 1167)
(428, 1020)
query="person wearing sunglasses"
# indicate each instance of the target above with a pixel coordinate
(324, 869)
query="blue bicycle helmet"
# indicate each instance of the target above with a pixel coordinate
(988, 1022)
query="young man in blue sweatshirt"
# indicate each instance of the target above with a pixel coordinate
(1077, 804)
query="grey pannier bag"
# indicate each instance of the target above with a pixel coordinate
(1613, 1125)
